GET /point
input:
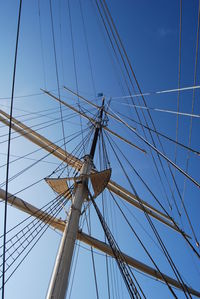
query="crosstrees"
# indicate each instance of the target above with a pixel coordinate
(76, 163)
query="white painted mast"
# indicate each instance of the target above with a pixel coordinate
(59, 280)
(60, 277)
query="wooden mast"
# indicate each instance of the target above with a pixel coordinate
(89, 240)
(60, 277)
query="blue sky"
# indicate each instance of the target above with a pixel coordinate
(150, 34)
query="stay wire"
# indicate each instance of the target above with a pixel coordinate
(39, 115)
(107, 270)
(87, 47)
(56, 67)
(168, 257)
(147, 108)
(132, 72)
(77, 148)
(154, 196)
(42, 46)
(162, 135)
(88, 222)
(42, 209)
(161, 154)
(143, 246)
(179, 79)
(154, 161)
(41, 148)
(49, 208)
(74, 60)
(9, 146)
(61, 41)
(131, 287)
(193, 99)
(181, 198)
(47, 226)
(36, 223)
(49, 123)
(28, 167)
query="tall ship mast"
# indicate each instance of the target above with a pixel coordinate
(100, 152)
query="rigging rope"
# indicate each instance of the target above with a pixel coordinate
(92, 254)
(128, 74)
(45, 227)
(87, 47)
(42, 46)
(161, 154)
(161, 134)
(179, 79)
(156, 199)
(161, 110)
(56, 67)
(123, 51)
(74, 61)
(157, 92)
(193, 99)
(143, 246)
(9, 145)
(122, 264)
(168, 257)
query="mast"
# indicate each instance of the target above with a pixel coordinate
(60, 277)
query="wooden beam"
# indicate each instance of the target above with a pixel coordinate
(74, 162)
(93, 121)
(95, 243)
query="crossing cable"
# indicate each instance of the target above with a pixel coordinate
(33, 164)
(41, 43)
(154, 196)
(168, 257)
(47, 124)
(192, 229)
(197, 243)
(74, 265)
(32, 184)
(38, 113)
(160, 110)
(143, 246)
(161, 134)
(114, 66)
(42, 209)
(77, 149)
(56, 66)
(157, 92)
(122, 264)
(160, 153)
(76, 152)
(66, 117)
(193, 96)
(146, 105)
(120, 44)
(107, 270)
(88, 222)
(42, 148)
(9, 145)
(55, 204)
(61, 41)
(125, 66)
(179, 78)
(131, 227)
(87, 47)
(74, 60)
(45, 227)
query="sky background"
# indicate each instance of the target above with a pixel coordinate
(150, 34)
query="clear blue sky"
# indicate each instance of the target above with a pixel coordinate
(150, 34)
